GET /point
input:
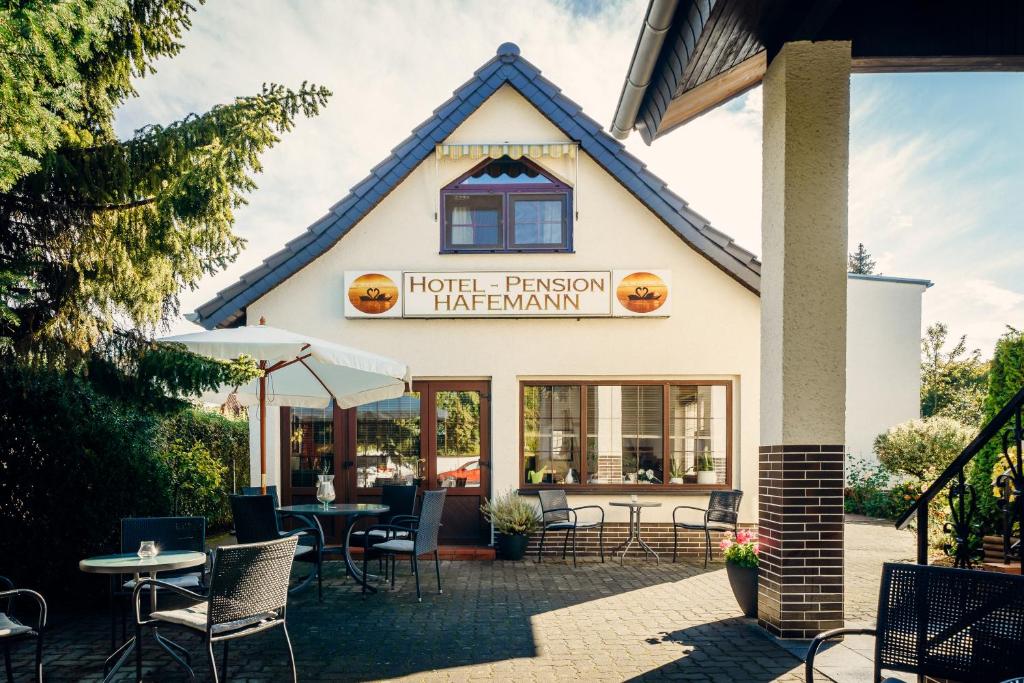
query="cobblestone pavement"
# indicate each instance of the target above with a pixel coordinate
(503, 621)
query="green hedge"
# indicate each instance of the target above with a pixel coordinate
(74, 461)
(1006, 377)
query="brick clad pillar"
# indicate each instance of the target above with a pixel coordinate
(800, 506)
(803, 338)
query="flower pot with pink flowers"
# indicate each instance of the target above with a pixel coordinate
(741, 560)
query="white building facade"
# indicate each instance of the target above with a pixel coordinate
(570, 323)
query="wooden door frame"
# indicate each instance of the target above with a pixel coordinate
(483, 387)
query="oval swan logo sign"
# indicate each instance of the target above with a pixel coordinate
(373, 293)
(642, 292)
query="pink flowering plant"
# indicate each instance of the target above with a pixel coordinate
(742, 550)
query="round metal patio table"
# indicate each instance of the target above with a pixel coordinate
(347, 511)
(131, 563)
(634, 528)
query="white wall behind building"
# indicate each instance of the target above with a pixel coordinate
(883, 357)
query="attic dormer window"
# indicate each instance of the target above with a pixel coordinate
(506, 205)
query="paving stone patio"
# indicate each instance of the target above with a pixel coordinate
(513, 621)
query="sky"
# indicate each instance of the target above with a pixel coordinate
(936, 183)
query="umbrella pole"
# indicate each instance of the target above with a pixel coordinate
(263, 427)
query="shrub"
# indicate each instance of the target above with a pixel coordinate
(1006, 378)
(194, 482)
(73, 463)
(922, 448)
(511, 514)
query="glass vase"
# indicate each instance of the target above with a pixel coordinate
(325, 489)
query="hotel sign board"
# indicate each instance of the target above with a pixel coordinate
(508, 294)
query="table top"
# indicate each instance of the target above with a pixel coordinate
(338, 510)
(635, 503)
(130, 563)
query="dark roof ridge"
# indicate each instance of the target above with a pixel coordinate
(506, 67)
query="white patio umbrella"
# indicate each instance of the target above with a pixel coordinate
(301, 370)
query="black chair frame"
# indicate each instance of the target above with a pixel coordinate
(970, 633)
(714, 514)
(409, 526)
(180, 654)
(10, 594)
(311, 531)
(571, 530)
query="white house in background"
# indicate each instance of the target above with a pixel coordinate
(569, 321)
(883, 357)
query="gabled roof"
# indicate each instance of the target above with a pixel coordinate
(507, 67)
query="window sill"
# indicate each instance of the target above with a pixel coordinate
(448, 252)
(605, 489)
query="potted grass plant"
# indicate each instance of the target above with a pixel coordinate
(514, 519)
(706, 468)
(741, 562)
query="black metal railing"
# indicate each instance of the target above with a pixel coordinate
(964, 544)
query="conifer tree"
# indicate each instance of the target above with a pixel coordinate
(98, 235)
(861, 262)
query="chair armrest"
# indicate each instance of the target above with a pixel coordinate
(385, 527)
(404, 518)
(144, 583)
(820, 639)
(311, 531)
(4, 581)
(590, 507)
(686, 507)
(39, 600)
(571, 511)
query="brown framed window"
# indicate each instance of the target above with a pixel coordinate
(670, 434)
(311, 444)
(387, 442)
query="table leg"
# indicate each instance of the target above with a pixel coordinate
(354, 571)
(643, 545)
(628, 543)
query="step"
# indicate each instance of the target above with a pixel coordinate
(1000, 566)
(453, 552)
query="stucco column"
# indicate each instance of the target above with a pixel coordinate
(803, 338)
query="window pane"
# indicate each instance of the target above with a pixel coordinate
(624, 428)
(312, 444)
(458, 438)
(388, 442)
(551, 434)
(697, 433)
(473, 220)
(538, 221)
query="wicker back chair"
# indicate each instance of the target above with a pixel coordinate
(418, 537)
(944, 623)
(556, 515)
(721, 514)
(256, 521)
(256, 491)
(248, 594)
(401, 502)
(13, 629)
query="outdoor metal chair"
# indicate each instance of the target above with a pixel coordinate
(556, 515)
(248, 594)
(401, 501)
(943, 623)
(257, 521)
(721, 514)
(421, 531)
(13, 630)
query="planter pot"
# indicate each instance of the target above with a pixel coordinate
(512, 546)
(707, 477)
(676, 480)
(744, 586)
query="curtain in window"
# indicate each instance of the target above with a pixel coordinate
(462, 225)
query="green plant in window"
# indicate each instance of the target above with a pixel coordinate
(677, 469)
(705, 463)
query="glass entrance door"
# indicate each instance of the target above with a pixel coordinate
(458, 456)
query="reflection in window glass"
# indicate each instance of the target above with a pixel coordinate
(624, 428)
(697, 434)
(311, 450)
(458, 438)
(551, 434)
(538, 221)
(388, 442)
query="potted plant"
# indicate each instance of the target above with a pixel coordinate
(741, 560)
(514, 519)
(677, 473)
(706, 468)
